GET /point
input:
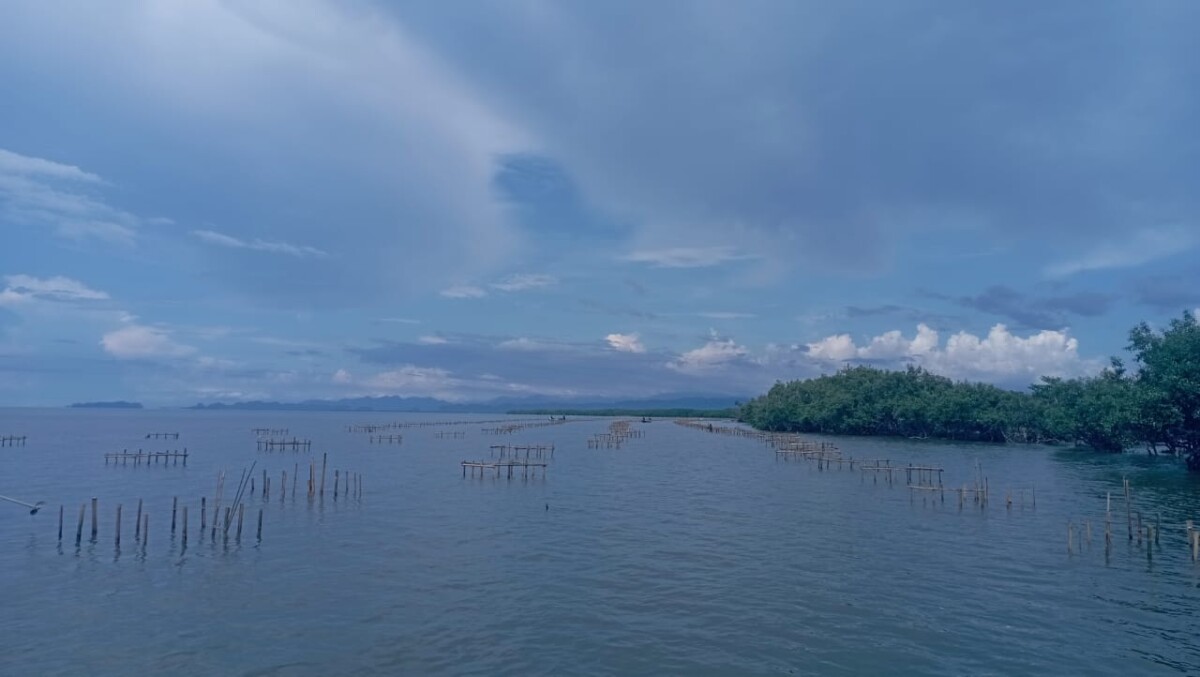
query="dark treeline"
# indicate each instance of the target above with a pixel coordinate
(1155, 404)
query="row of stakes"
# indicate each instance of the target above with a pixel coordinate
(142, 522)
(345, 483)
(1079, 533)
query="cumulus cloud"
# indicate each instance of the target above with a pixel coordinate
(1000, 356)
(24, 288)
(223, 240)
(140, 341)
(523, 282)
(625, 343)
(716, 353)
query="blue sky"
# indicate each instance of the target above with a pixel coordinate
(206, 201)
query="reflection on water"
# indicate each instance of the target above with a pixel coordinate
(680, 553)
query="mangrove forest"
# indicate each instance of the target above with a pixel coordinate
(1153, 403)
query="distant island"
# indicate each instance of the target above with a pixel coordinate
(119, 404)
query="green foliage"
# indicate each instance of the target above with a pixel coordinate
(1158, 405)
(911, 403)
(1168, 380)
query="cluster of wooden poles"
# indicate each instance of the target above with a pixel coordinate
(451, 434)
(511, 428)
(513, 451)
(386, 439)
(148, 457)
(500, 466)
(162, 436)
(345, 483)
(1079, 534)
(268, 432)
(618, 433)
(12, 441)
(372, 428)
(926, 481)
(296, 445)
(179, 521)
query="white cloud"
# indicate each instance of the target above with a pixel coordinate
(432, 340)
(1139, 248)
(685, 257)
(24, 288)
(999, 356)
(833, 348)
(12, 163)
(139, 341)
(223, 240)
(625, 343)
(524, 281)
(342, 376)
(41, 192)
(528, 344)
(463, 291)
(713, 354)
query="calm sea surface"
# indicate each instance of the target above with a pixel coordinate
(683, 553)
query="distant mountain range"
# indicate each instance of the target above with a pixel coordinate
(107, 405)
(432, 405)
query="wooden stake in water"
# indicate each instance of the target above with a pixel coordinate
(60, 521)
(95, 519)
(145, 530)
(79, 530)
(241, 512)
(260, 525)
(174, 506)
(118, 536)
(324, 460)
(137, 523)
(185, 521)
(336, 483)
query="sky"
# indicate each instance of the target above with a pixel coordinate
(206, 201)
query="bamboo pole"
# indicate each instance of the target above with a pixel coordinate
(174, 507)
(60, 521)
(79, 529)
(324, 460)
(118, 528)
(95, 519)
(185, 522)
